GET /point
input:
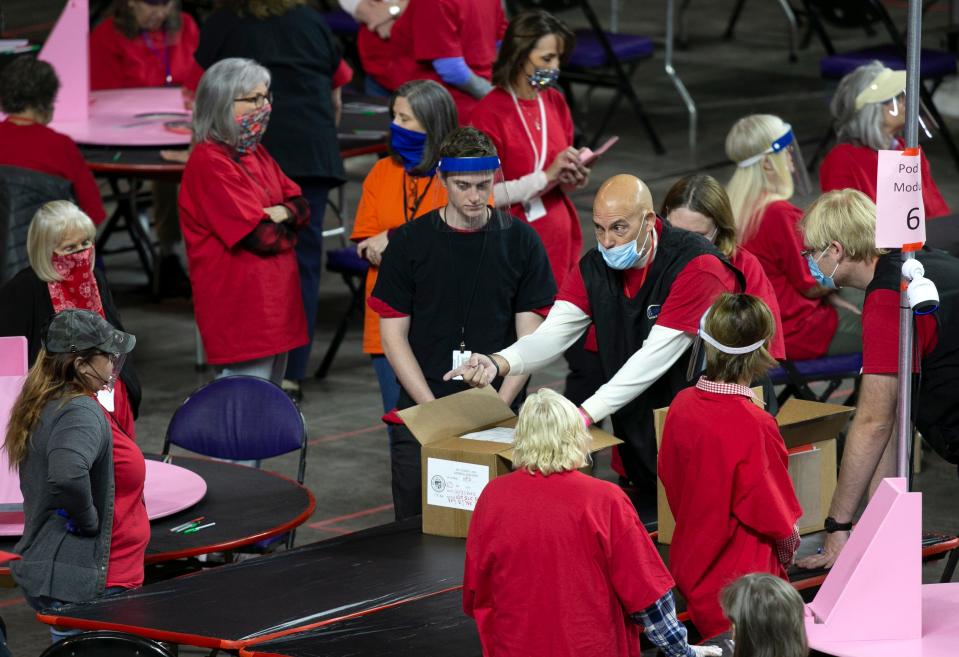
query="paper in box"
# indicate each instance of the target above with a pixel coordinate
(809, 430)
(455, 469)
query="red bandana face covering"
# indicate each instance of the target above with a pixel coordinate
(78, 288)
(252, 126)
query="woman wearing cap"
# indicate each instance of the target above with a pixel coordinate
(397, 190)
(241, 216)
(61, 275)
(869, 109)
(557, 562)
(723, 465)
(85, 524)
(815, 320)
(699, 204)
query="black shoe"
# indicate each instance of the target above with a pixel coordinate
(293, 390)
(172, 279)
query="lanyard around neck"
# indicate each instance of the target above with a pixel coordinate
(165, 57)
(539, 156)
(410, 210)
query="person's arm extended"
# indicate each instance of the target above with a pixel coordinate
(666, 632)
(455, 72)
(662, 347)
(868, 436)
(816, 292)
(73, 448)
(394, 332)
(526, 323)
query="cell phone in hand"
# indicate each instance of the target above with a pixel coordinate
(587, 156)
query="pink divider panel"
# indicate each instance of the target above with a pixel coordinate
(67, 50)
(13, 371)
(874, 590)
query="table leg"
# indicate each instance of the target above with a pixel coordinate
(671, 72)
(793, 29)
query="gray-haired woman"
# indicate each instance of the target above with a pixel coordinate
(870, 113)
(240, 216)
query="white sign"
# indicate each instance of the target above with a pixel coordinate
(495, 435)
(454, 484)
(900, 213)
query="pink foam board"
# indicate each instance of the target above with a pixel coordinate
(13, 370)
(168, 489)
(940, 629)
(878, 575)
(67, 50)
(130, 117)
(13, 356)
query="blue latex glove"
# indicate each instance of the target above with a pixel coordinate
(71, 528)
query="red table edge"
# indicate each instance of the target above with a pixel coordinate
(201, 641)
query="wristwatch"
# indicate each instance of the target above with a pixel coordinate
(832, 526)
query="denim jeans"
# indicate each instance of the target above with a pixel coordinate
(309, 256)
(43, 603)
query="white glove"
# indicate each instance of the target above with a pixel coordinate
(707, 651)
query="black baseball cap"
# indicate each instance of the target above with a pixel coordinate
(76, 330)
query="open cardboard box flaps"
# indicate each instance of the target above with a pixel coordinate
(455, 469)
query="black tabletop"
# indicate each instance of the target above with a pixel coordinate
(434, 626)
(247, 505)
(231, 606)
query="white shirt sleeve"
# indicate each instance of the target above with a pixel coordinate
(662, 347)
(349, 6)
(520, 190)
(563, 326)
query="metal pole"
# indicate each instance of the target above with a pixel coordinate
(904, 406)
(671, 72)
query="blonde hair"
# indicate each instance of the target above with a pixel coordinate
(767, 614)
(53, 376)
(738, 320)
(550, 435)
(846, 216)
(46, 230)
(751, 189)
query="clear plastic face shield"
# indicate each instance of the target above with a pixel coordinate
(471, 194)
(895, 116)
(107, 383)
(889, 89)
(786, 158)
(697, 355)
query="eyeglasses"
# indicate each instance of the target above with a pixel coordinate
(258, 100)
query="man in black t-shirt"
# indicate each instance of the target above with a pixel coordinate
(464, 278)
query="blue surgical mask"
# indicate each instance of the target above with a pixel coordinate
(408, 144)
(623, 256)
(817, 273)
(543, 77)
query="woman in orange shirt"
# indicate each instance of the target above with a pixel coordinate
(398, 189)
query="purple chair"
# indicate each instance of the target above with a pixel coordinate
(240, 418)
(601, 59)
(859, 14)
(796, 375)
(352, 268)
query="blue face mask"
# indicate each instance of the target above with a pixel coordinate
(543, 77)
(623, 256)
(817, 273)
(408, 144)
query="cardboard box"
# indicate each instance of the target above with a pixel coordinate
(809, 430)
(455, 469)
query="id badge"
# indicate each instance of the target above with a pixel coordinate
(534, 209)
(460, 358)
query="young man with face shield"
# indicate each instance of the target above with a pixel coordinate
(840, 230)
(645, 288)
(461, 279)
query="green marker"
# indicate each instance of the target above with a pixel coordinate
(196, 529)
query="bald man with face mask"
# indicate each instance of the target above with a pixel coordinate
(645, 287)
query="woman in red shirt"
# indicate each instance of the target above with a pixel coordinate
(240, 217)
(870, 112)
(723, 465)
(531, 127)
(816, 321)
(144, 43)
(558, 563)
(698, 203)
(28, 89)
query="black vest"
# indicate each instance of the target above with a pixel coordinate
(623, 324)
(935, 402)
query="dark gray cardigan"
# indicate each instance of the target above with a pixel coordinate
(69, 465)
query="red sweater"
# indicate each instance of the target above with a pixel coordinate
(131, 526)
(39, 148)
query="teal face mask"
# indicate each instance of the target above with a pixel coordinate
(817, 273)
(623, 256)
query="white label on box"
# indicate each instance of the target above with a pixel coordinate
(454, 484)
(495, 435)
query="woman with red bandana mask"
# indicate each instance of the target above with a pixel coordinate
(240, 216)
(60, 248)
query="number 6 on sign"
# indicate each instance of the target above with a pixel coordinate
(900, 214)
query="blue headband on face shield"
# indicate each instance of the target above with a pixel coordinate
(777, 146)
(468, 164)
